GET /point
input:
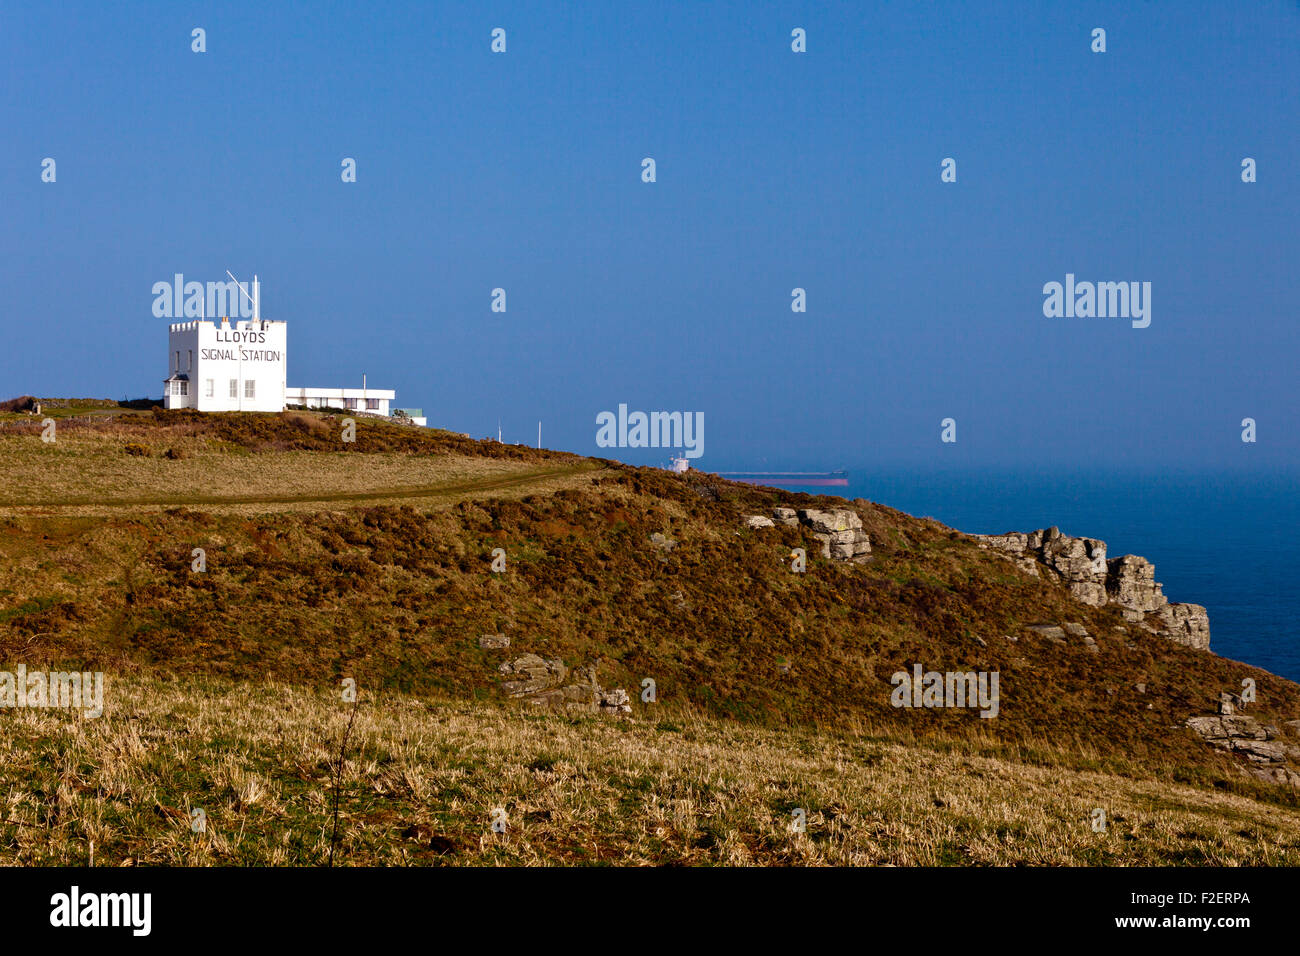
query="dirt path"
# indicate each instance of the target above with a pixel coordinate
(544, 479)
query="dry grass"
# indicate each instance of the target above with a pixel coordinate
(774, 687)
(423, 778)
(93, 472)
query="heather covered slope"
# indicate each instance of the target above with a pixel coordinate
(642, 573)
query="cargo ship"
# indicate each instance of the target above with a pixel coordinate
(776, 479)
(789, 479)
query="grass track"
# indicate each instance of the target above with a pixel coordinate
(453, 489)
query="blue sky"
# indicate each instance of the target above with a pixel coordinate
(775, 170)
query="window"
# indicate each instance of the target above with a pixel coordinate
(234, 388)
(190, 367)
(352, 402)
(372, 404)
(209, 388)
(185, 388)
(178, 361)
(250, 388)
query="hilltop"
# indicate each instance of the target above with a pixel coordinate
(372, 560)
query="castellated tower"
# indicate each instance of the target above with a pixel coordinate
(225, 367)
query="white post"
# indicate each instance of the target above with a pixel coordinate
(539, 434)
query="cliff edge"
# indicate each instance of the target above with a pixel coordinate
(1128, 582)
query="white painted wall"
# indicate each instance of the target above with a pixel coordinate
(248, 353)
(373, 400)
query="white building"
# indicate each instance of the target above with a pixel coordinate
(416, 415)
(240, 367)
(372, 400)
(225, 367)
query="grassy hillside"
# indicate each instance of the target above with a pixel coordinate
(140, 461)
(307, 584)
(422, 778)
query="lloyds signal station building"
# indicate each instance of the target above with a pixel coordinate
(226, 367)
(240, 367)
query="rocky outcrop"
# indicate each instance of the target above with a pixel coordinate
(1267, 755)
(838, 531)
(1128, 582)
(1131, 583)
(786, 516)
(531, 674)
(542, 683)
(1187, 624)
(615, 701)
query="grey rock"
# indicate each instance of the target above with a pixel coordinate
(615, 701)
(525, 687)
(1049, 631)
(1088, 592)
(842, 552)
(662, 542)
(1082, 567)
(1187, 624)
(830, 521)
(541, 683)
(785, 516)
(1015, 541)
(825, 541)
(838, 533)
(1132, 584)
(579, 693)
(532, 673)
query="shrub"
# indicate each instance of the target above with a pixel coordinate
(134, 448)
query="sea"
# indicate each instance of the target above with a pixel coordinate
(1227, 540)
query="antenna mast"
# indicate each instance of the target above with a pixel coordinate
(245, 291)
